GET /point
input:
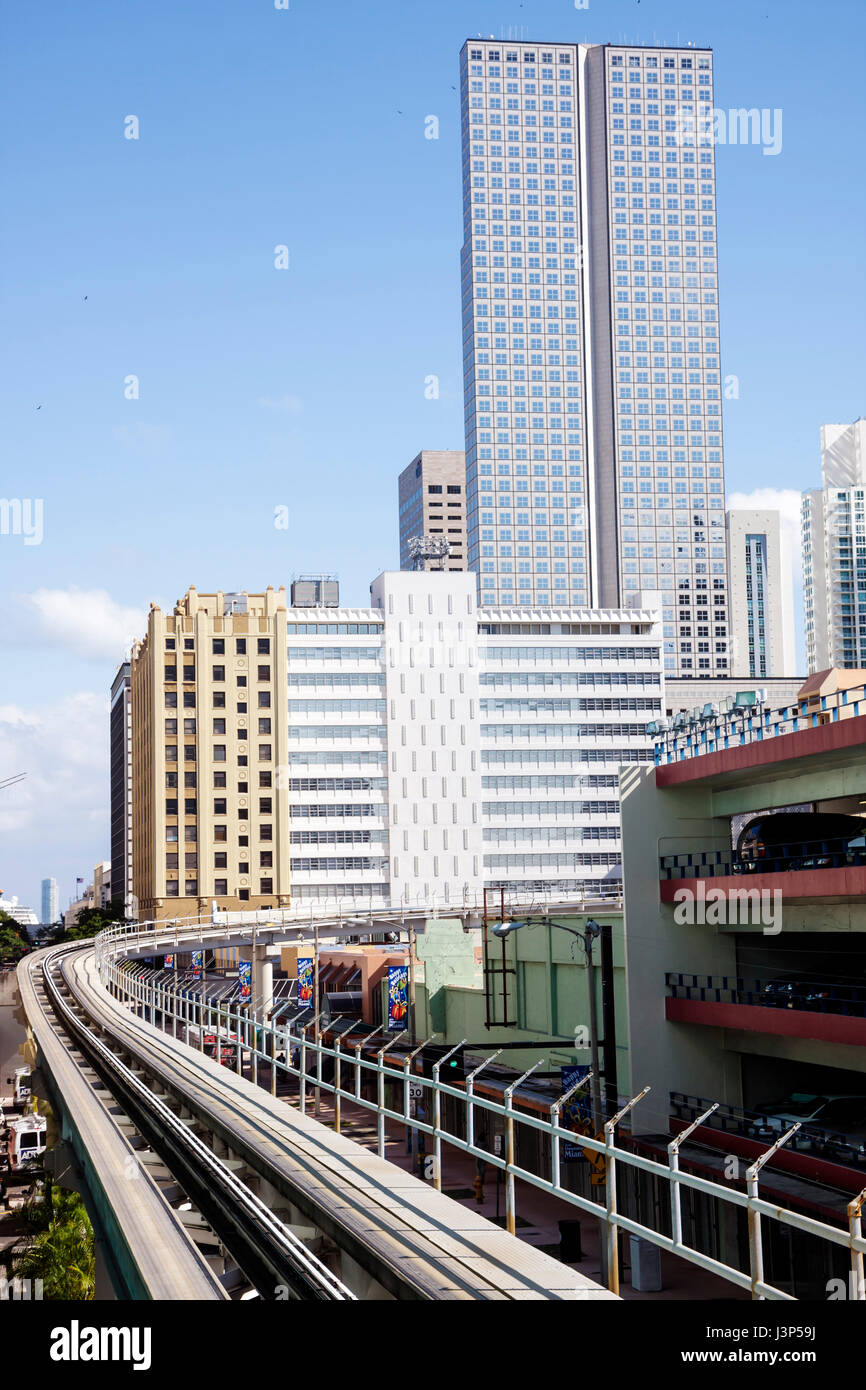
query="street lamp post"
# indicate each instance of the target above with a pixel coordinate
(592, 930)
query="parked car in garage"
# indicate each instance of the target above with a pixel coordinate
(842, 1116)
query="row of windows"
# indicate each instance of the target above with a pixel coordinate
(322, 809)
(564, 706)
(218, 646)
(338, 837)
(335, 654)
(220, 888)
(565, 757)
(562, 680)
(549, 808)
(338, 784)
(550, 861)
(336, 731)
(615, 654)
(361, 758)
(551, 782)
(336, 706)
(502, 835)
(332, 630)
(339, 892)
(326, 680)
(266, 861)
(498, 733)
(344, 865)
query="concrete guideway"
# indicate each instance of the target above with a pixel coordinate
(153, 1248)
(408, 1240)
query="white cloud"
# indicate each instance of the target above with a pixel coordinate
(56, 821)
(86, 621)
(784, 500)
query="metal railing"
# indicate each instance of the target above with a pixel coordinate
(838, 852)
(812, 996)
(747, 724)
(293, 1049)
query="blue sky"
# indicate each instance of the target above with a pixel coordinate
(261, 388)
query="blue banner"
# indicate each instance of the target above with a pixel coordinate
(197, 963)
(305, 982)
(576, 1114)
(245, 980)
(168, 962)
(398, 998)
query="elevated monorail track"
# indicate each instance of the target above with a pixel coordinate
(389, 1234)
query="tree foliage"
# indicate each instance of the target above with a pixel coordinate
(14, 941)
(60, 1245)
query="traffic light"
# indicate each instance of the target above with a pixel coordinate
(452, 1070)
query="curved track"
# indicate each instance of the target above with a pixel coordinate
(154, 1250)
(411, 1241)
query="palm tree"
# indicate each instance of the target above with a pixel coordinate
(60, 1248)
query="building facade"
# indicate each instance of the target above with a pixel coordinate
(435, 747)
(50, 901)
(431, 496)
(120, 746)
(834, 552)
(208, 689)
(761, 596)
(594, 457)
(746, 988)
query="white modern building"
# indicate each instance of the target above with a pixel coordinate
(834, 552)
(50, 900)
(24, 916)
(436, 747)
(594, 456)
(761, 596)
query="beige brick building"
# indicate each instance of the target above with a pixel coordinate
(432, 502)
(209, 730)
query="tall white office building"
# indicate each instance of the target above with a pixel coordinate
(436, 748)
(50, 900)
(762, 595)
(834, 552)
(592, 385)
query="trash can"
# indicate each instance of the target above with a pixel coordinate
(646, 1265)
(570, 1251)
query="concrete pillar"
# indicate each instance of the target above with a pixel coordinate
(263, 981)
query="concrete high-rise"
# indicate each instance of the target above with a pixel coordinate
(594, 461)
(209, 708)
(762, 596)
(834, 552)
(50, 901)
(432, 504)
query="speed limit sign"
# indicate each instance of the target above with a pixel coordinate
(416, 1092)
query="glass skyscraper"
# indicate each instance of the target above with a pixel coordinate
(594, 462)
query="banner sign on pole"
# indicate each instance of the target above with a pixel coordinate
(305, 981)
(245, 980)
(577, 1112)
(398, 997)
(197, 963)
(168, 962)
